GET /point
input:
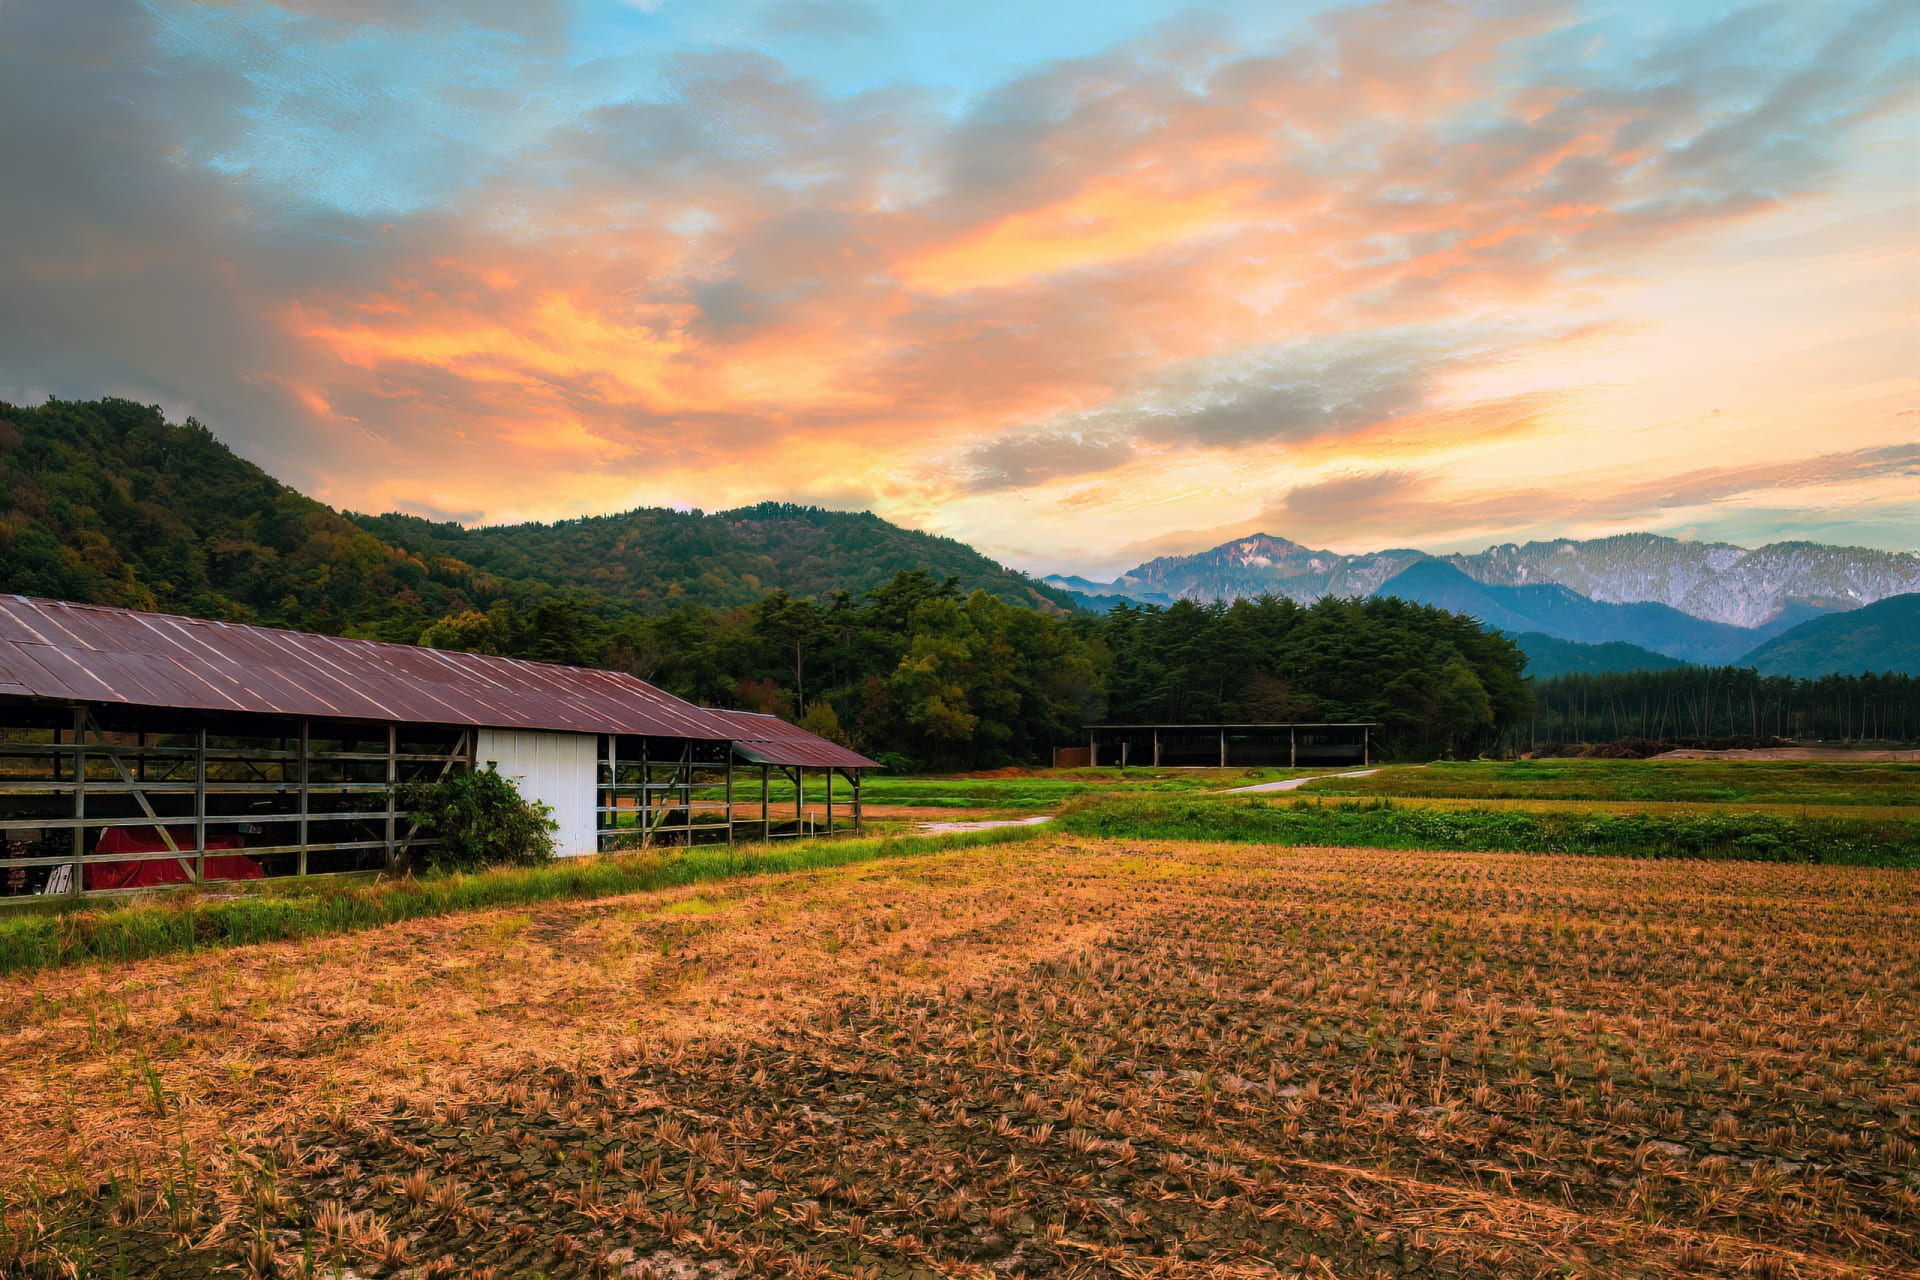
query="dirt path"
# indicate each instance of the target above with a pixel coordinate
(1292, 784)
(946, 828)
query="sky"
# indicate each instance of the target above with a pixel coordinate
(1077, 283)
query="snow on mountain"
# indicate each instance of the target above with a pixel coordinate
(1712, 580)
(1715, 581)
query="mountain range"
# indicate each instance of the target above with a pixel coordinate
(1883, 636)
(1716, 581)
(106, 501)
(1669, 598)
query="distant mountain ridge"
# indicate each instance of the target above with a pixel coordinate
(1551, 609)
(1549, 656)
(1248, 567)
(1880, 637)
(1714, 581)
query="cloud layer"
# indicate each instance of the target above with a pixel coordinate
(1391, 271)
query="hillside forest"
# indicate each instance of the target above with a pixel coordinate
(913, 648)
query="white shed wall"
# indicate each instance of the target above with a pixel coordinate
(558, 769)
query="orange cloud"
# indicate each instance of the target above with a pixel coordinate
(745, 287)
(1112, 220)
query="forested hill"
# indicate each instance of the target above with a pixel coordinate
(106, 501)
(654, 559)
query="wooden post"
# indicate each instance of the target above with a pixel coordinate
(612, 819)
(829, 799)
(799, 800)
(305, 750)
(1223, 748)
(1366, 745)
(1156, 746)
(200, 806)
(646, 794)
(1293, 747)
(729, 793)
(79, 799)
(766, 801)
(393, 780)
(686, 788)
(857, 828)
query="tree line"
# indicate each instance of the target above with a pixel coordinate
(1720, 702)
(935, 677)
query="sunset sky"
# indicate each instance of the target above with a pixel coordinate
(1079, 283)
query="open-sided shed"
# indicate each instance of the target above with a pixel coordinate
(140, 748)
(1222, 746)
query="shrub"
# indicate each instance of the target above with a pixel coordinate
(479, 819)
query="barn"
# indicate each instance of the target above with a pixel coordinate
(139, 749)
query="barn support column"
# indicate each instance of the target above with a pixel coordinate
(766, 798)
(1293, 748)
(612, 819)
(1366, 746)
(729, 793)
(686, 789)
(829, 800)
(79, 798)
(393, 781)
(857, 828)
(1156, 748)
(1223, 748)
(200, 806)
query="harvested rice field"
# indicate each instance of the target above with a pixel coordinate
(1058, 1058)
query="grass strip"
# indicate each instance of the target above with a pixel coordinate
(1381, 824)
(188, 923)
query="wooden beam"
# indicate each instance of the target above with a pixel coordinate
(200, 805)
(393, 781)
(306, 776)
(79, 799)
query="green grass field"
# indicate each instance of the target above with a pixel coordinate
(1716, 782)
(1783, 785)
(1765, 811)
(1389, 824)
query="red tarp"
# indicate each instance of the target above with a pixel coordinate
(167, 870)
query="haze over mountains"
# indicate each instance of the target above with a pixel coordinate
(1692, 601)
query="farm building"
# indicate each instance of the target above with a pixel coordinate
(140, 749)
(1223, 746)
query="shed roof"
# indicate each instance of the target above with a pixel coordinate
(766, 739)
(59, 650)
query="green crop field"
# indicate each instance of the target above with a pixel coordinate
(1685, 781)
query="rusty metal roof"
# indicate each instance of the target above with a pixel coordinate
(90, 653)
(768, 739)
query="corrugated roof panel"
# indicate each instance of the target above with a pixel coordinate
(59, 650)
(90, 653)
(771, 740)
